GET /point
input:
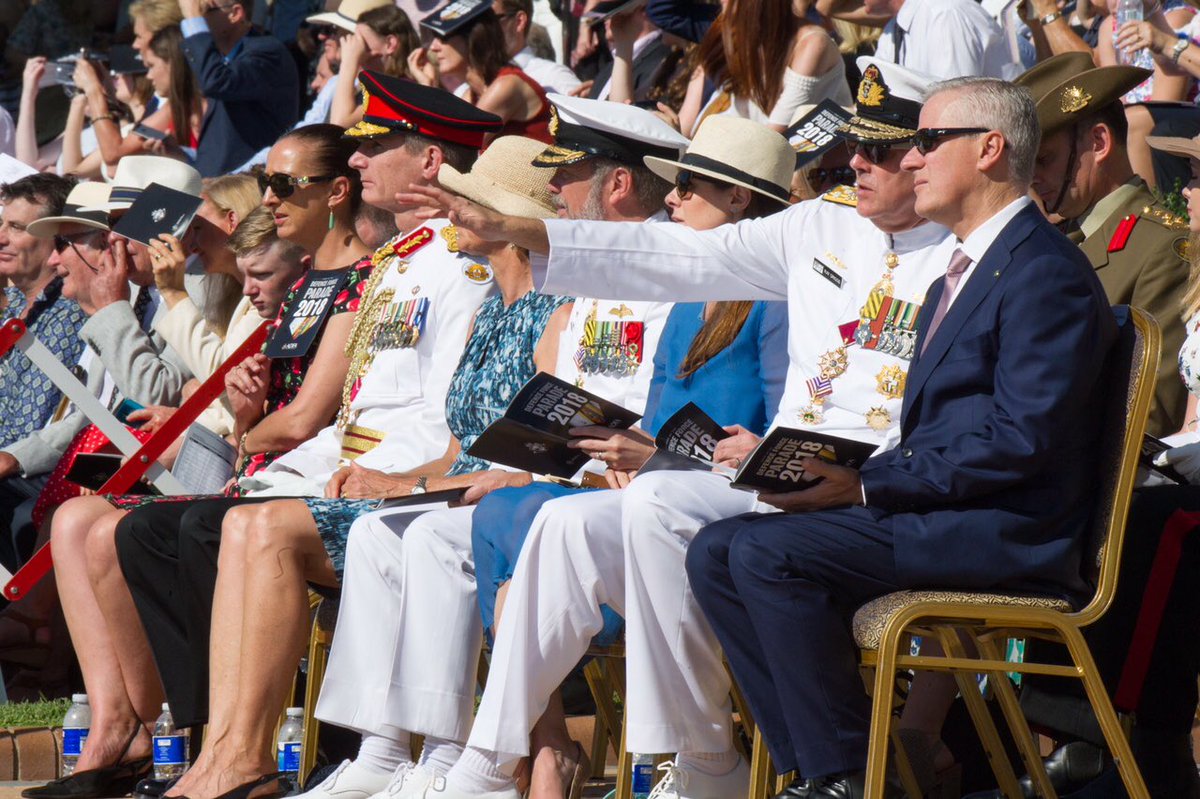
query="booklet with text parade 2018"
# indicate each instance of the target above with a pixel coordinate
(533, 433)
(157, 210)
(777, 464)
(685, 442)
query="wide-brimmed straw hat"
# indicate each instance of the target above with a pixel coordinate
(1176, 145)
(83, 195)
(347, 14)
(136, 172)
(736, 151)
(505, 179)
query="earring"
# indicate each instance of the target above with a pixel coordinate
(331, 219)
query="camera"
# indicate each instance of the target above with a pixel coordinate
(61, 71)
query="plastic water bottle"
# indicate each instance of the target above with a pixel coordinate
(287, 748)
(170, 747)
(1129, 11)
(75, 732)
(643, 775)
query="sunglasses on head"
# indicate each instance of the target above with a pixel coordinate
(61, 243)
(284, 186)
(685, 180)
(875, 152)
(820, 177)
(926, 140)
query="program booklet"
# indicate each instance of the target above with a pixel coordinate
(777, 464)
(302, 322)
(817, 132)
(686, 442)
(157, 210)
(532, 435)
(205, 461)
(93, 469)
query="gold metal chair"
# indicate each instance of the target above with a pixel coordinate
(884, 627)
(324, 617)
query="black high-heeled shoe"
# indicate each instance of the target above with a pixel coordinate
(243, 791)
(96, 783)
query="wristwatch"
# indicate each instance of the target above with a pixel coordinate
(1183, 44)
(1053, 17)
(420, 487)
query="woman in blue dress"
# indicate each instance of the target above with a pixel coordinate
(729, 358)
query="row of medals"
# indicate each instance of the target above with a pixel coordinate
(894, 341)
(603, 349)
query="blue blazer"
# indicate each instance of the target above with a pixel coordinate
(990, 483)
(253, 98)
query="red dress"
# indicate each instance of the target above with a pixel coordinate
(537, 126)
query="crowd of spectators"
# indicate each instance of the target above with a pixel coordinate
(432, 202)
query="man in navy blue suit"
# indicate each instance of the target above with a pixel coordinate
(1003, 398)
(249, 80)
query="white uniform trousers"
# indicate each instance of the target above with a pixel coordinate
(570, 564)
(406, 651)
(677, 687)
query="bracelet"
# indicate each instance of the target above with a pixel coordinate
(242, 444)
(1049, 18)
(1183, 44)
(109, 117)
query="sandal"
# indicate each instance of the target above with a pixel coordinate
(579, 776)
(96, 783)
(243, 791)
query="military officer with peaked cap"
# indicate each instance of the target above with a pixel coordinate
(854, 268)
(1083, 174)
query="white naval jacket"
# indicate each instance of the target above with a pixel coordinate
(403, 393)
(771, 258)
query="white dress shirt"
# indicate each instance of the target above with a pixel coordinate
(948, 39)
(983, 237)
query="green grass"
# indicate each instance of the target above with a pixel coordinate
(47, 713)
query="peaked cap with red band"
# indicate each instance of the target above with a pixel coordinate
(392, 105)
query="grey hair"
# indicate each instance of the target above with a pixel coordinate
(1002, 106)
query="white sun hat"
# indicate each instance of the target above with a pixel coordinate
(82, 197)
(136, 172)
(347, 14)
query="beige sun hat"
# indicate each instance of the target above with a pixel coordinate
(505, 179)
(347, 14)
(136, 172)
(736, 151)
(1176, 145)
(83, 196)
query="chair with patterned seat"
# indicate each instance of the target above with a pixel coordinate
(983, 622)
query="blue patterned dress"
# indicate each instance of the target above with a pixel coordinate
(496, 362)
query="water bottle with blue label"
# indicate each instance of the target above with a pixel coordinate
(75, 732)
(170, 747)
(287, 748)
(643, 775)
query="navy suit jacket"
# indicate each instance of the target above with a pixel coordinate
(990, 485)
(252, 99)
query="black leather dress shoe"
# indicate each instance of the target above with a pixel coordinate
(798, 789)
(1070, 767)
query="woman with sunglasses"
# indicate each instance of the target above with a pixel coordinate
(729, 358)
(742, 53)
(468, 57)
(313, 195)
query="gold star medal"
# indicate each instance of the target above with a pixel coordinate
(890, 382)
(833, 363)
(878, 419)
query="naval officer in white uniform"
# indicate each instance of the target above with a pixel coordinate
(854, 283)
(416, 571)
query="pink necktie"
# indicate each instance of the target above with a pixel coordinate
(958, 264)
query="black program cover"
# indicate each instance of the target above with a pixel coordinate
(1151, 446)
(777, 464)
(93, 469)
(157, 210)
(686, 442)
(533, 433)
(302, 319)
(817, 132)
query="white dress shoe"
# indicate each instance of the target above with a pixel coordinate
(348, 782)
(685, 783)
(438, 789)
(409, 781)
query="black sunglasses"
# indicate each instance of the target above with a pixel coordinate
(284, 186)
(926, 140)
(820, 177)
(61, 243)
(875, 152)
(684, 179)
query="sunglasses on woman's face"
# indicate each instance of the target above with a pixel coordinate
(284, 186)
(685, 181)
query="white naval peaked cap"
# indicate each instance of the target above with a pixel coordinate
(584, 128)
(889, 99)
(83, 196)
(136, 172)
(737, 151)
(347, 14)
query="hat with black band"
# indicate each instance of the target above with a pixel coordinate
(392, 105)
(735, 151)
(584, 129)
(347, 14)
(83, 196)
(887, 108)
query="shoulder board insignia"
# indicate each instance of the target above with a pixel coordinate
(402, 246)
(477, 273)
(842, 195)
(1165, 218)
(1121, 235)
(1182, 248)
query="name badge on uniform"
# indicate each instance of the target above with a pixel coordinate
(400, 325)
(826, 272)
(303, 318)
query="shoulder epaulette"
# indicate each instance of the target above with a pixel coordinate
(842, 195)
(1121, 235)
(1165, 218)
